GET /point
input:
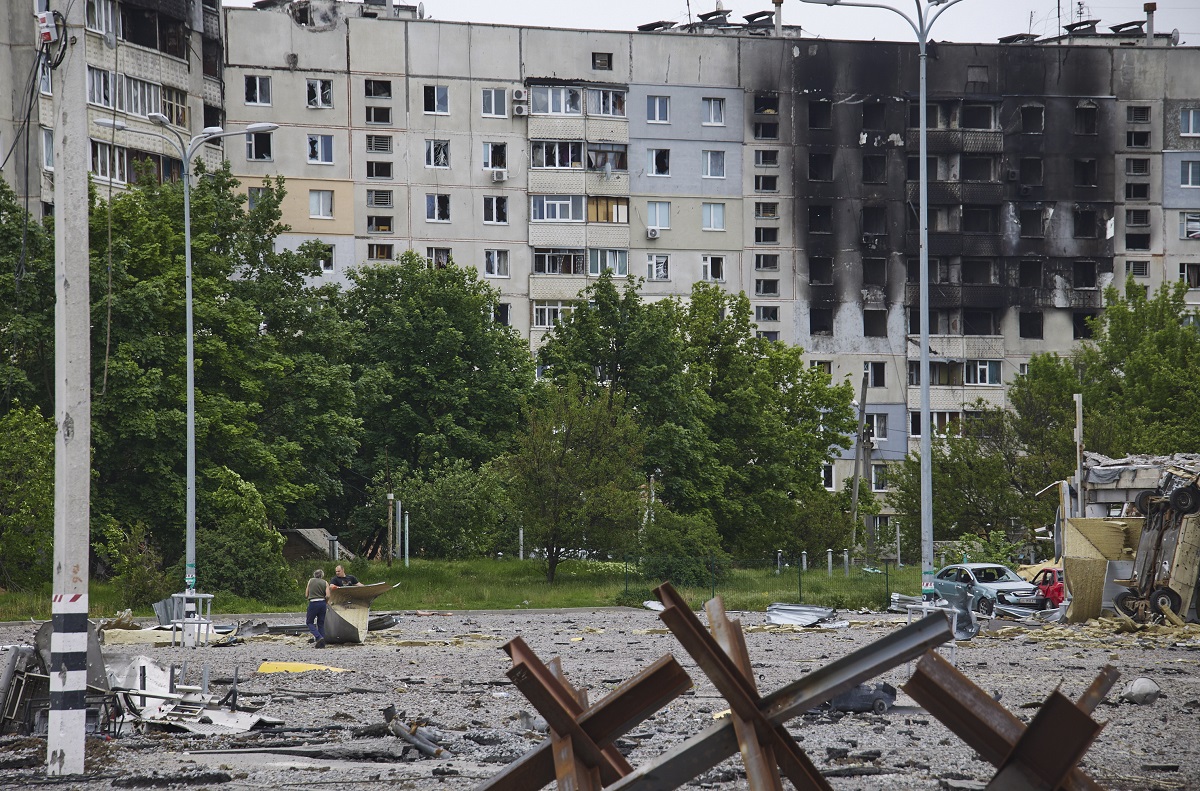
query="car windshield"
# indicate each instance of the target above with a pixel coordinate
(995, 574)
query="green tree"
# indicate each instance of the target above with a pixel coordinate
(457, 511)
(26, 307)
(574, 478)
(26, 498)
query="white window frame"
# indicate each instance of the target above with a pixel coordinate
(549, 312)
(441, 99)
(495, 263)
(252, 148)
(550, 260)
(253, 196)
(713, 111)
(713, 164)
(607, 102)
(101, 90)
(711, 273)
(47, 149)
(873, 367)
(432, 159)
(555, 100)
(380, 199)
(658, 266)
(379, 144)
(327, 263)
(489, 99)
(603, 260)
(573, 150)
(658, 214)
(1189, 122)
(259, 80)
(983, 372)
(434, 204)
(489, 156)
(1189, 173)
(322, 97)
(556, 208)
(879, 478)
(493, 206)
(101, 16)
(109, 162)
(320, 204)
(1189, 225)
(827, 478)
(324, 149)
(439, 256)
(175, 106)
(138, 97)
(652, 165)
(658, 109)
(45, 77)
(876, 425)
(712, 216)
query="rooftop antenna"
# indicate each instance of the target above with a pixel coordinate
(689, 8)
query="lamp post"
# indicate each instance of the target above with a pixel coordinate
(187, 150)
(927, 13)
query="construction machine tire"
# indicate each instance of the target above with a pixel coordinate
(1164, 599)
(1186, 500)
(1125, 603)
(1142, 502)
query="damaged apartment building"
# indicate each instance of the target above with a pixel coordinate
(154, 67)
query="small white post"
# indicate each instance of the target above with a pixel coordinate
(406, 539)
(804, 560)
(829, 558)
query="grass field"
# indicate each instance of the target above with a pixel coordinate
(512, 584)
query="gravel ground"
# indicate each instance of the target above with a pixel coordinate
(448, 671)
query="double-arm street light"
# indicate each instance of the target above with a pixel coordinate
(927, 13)
(187, 151)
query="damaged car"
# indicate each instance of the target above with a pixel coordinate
(984, 585)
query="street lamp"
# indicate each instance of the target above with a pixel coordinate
(187, 150)
(926, 15)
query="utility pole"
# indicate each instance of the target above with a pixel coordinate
(72, 404)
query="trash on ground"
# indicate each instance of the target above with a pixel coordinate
(1141, 691)
(877, 698)
(657, 606)
(799, 614)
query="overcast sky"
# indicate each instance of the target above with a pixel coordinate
(970, 20)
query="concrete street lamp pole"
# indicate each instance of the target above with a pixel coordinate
(926, 14)
(187, 150)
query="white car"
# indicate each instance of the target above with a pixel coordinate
(981, 586)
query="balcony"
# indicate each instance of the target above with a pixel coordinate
(949, 141)
(956, 192)
(959, 295)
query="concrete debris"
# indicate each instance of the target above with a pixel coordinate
(798, 614)
(123, 620)
(1141, 691)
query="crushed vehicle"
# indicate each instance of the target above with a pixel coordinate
(1049, 583)
(984, 585)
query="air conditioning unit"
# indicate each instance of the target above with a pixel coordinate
(520, 94)
(520, 110)
(653, 233)
(499, 175)
(1012, 175)
(1026, 190)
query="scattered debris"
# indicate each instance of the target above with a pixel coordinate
(297, 667)
(798, 614)
(419, 737)
(1141, 691)
(877, 698)
(653, 605)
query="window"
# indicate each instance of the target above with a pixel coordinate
(1136, 138)
(437, 207)
(1135, 191)
(1030, 171)
(978, 220)
(110, 162)
(766, 236)
(320, 149)
(607, 156)
(1137, 167)
(1031, 223)
(1085, 120)
(879, 478)
(976, 168)
(874, 170)
(766, 313)
(767, 335)
(824, 366)
(1139, 217)
(658, 214)
(1137, 241)
(1084, 224)
(875, 323)
(874, 272)
(503, 314)
(712, 216)
(766, 262)
(380, 252)
(556, 208)
(1189, 173)
(379, 198)
(1190, 274)
(1137, 268)
(495, 263)
(658, 109)
(766, 131)
(940, 374)
(557, 261)
(379, 144)
(1030, 324)
(1085, 173)
(45, 78)
(138, 97)
(101, 16)
(555, 100)
(258, 146)
(820, 167)
(1189, 121)
(1189, 225)
(326, 258)
(47, 148)
(320, 93)
(820, 270)
(766, 211)
(253, 196)
(380, 223)
(658, 267)
(378, 115)
(1033, 120)
(982, 372)
(820, 219)
(713, 112)
(978, 271)
(658, 162)
(874, 220)
(437, 153)
(820, 114)
(827, 476)
(1138, 114)
(436, 99)
(605, 101)
(712, 267)
(820, 321)
(100, 87)
(547, 313)
(602, 61)
(556, 154)
(439, 256)
(766, 104)
(320, 204)
(877, 425)
(766, 287)
(377, 89)
(766, 183)
(766, 158)
(874, 115)
(495, 102)
(495, 156)
(979, 322)
(615, 261)
(943, 422)
(379, 170)
(495, 209)
(976, 116)
(1081, 327)
(174, 106)
(608, 209)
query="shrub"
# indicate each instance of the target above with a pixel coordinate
(136, 565)
(686, 550)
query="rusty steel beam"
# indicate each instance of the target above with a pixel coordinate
(1098, 690)
(1049, 749)
(612, 716)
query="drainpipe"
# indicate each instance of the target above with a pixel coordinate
(1150, 8)
(778, 18)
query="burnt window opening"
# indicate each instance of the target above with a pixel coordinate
(979, 322)
(979, 220)
(1085, 172)
(820, 270)
(766, 131)
(1081, 325)
(874, 220)
(913, 168)
(874, 323)
(978, 271)
(1031, 223)
(1084, 224)
(977, 116)
(820, 219)
(1033, 120)
(766, 104)
(874, 115)
(1136, 138)
(933, 116)
(1137, 191)
(1137, 114)
(939, 271)
(977, 168)
(875, 272)
(213, 116)
(820, 321)
(820, 114)
(1029, 324)
(1084, 274)
(1137, 241)
(211, 50)
(1030, 274)
(766, 158)
(1086, 120)
(1030, 172)
(874, 170)
(820, 167)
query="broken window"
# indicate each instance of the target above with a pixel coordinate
(820, 219)
(820, 321)
(1135, 166)
(820, 167)
(436, 99)
(378, 115)
(768, 287)
(876, 371)
(607, 156)
(874, 115)
(766, 104)
(1136, 138)
(377, 89)
(1031, 223)
(1190, 274)
(976, 168)
(659, 163)
(1030, 274)
(380, 223)
(820, 270)
(913, 168)
(932, 116)
(320, 149)
(1085, 120)
(766, 183)
(495, 156)
(658, 267)
(1137, 191)
(766, 131)
(437, 153)
(766, 262)
(875, 272)
(874, 220)
(558, 261)
(210, 50)
(820, 114)
(1033, 119)
(1137, 241)
(976, 116)
(766, 313)
(1084, 224)
(381, 252)
(1031, 171)
(437, 207)
(978, 271)
(766, 158)
(874, 169)
(1081, 325)
(495, 264)
(1084, 274)
(556, 154)
(978, 220)
(258, 146)
(495, 209)
(602, 61)
(1085, 172)
(979, 322)
(1189, 225)
(439, 257)
(712, 267)
(765, 235)
(320, 93)
(379, 170)
(1030, 324)
(874, 323)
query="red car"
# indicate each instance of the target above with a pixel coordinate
(1050, 583)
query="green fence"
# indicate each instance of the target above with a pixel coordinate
(752, 584)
